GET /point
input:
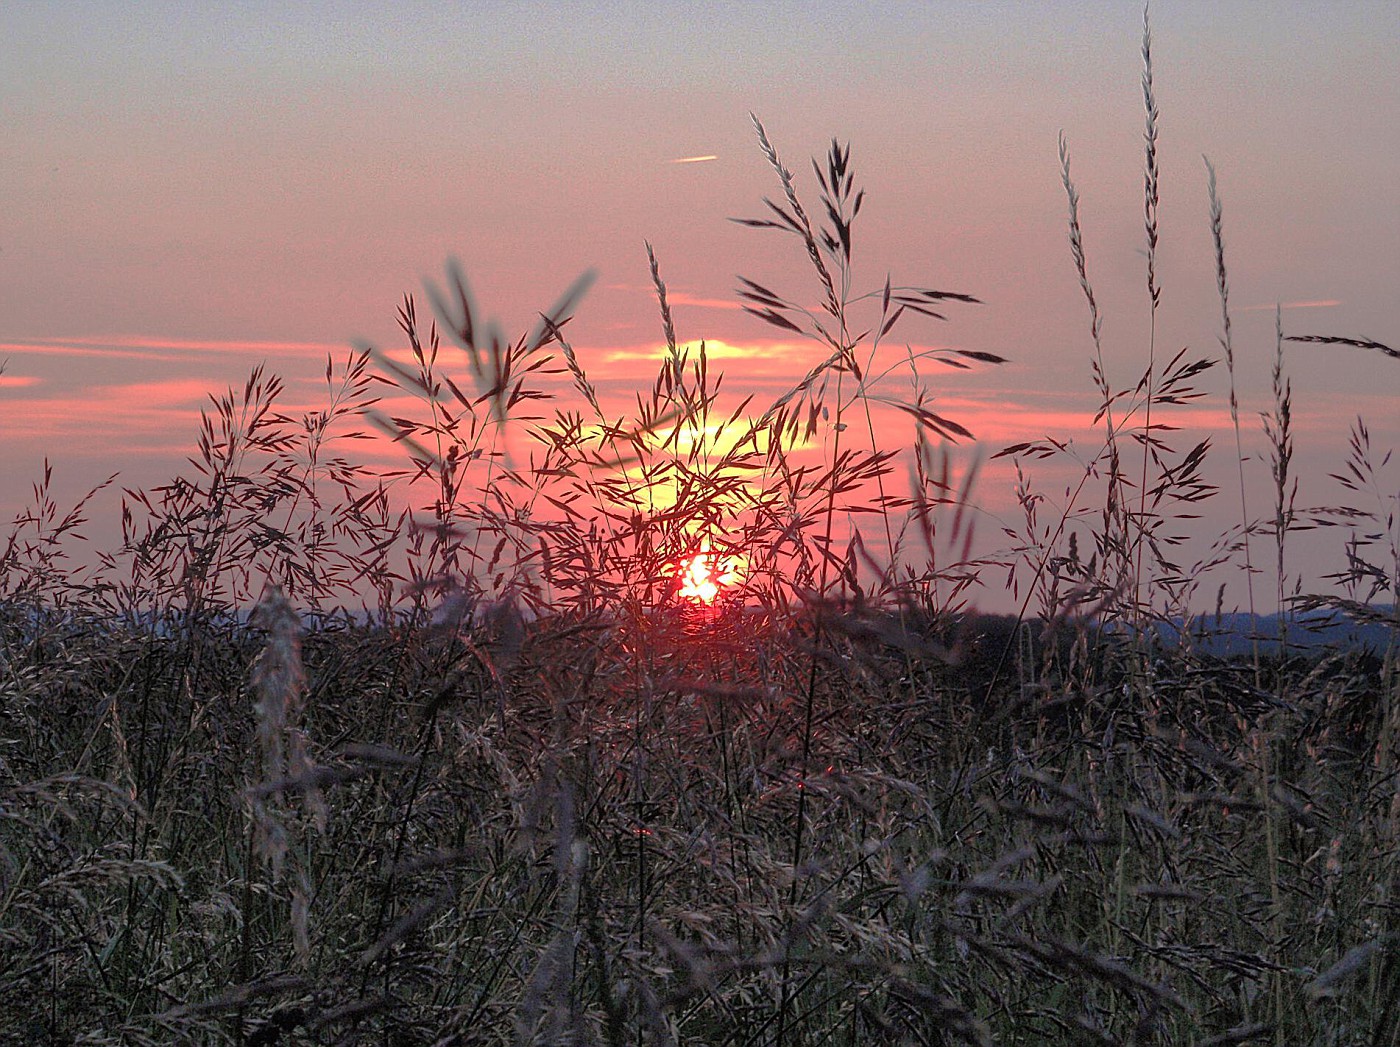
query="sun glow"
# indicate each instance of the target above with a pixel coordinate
(703, 576)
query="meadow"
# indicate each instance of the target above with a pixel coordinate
(296, 765)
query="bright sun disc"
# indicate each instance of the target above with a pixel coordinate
(703, 575)
(697, 580)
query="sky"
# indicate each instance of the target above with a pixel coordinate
(191, 190)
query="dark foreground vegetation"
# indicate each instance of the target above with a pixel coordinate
(684, 829)
(291, 766)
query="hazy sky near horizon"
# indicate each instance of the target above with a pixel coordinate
(192, 189)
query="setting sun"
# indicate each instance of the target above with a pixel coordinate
(704, 575)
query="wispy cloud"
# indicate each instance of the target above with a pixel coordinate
(693, 159)
(223, 345)
(681, 298)
(15, 381)
(141, 347)
(676, 297)
(49, 348)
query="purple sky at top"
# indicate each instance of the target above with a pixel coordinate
(183, 181)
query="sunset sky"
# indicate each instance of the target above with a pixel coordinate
(189, 190)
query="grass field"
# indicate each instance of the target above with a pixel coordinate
(293, 765)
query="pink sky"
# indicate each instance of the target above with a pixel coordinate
(189, 193)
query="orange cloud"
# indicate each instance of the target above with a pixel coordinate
(126, 417)
(162, 392)
(716, 349)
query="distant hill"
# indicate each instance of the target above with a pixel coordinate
(1232, 634)
(1226, 635)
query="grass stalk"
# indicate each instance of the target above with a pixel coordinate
(1151, 197)
(1222, 284)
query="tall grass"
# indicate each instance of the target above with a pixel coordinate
(475, 773)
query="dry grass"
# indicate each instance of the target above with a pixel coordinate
(476, 775)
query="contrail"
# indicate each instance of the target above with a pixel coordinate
(692, 159)
(1321, 303)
